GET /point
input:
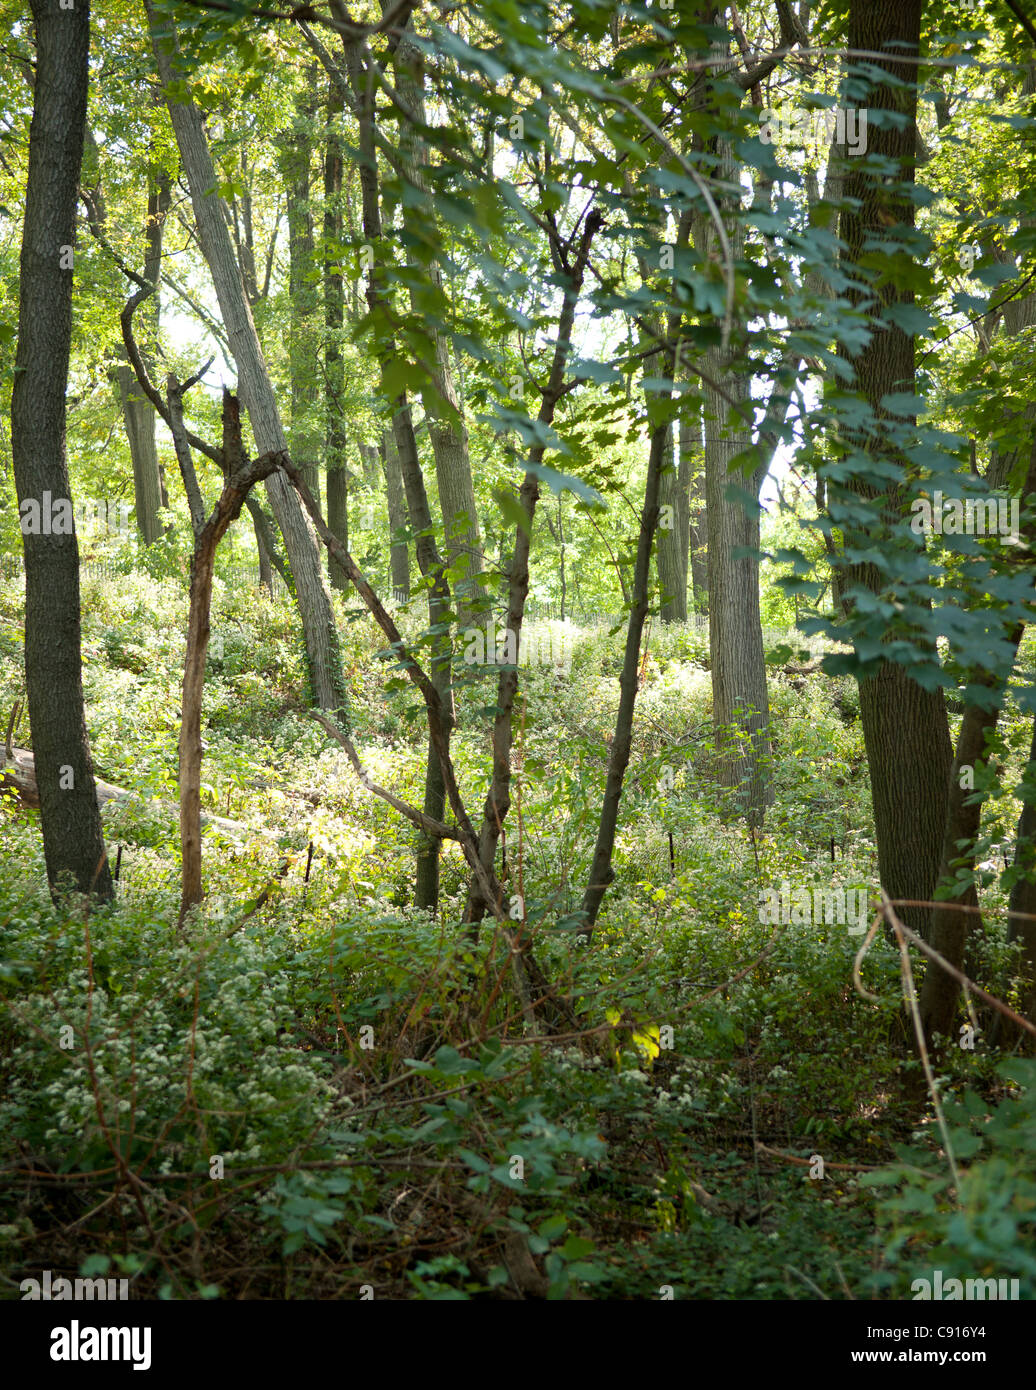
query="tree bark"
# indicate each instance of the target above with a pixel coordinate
(740, 699)
(254, 385)
(73, 837)
(905, 728)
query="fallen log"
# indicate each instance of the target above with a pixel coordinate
(18, 774)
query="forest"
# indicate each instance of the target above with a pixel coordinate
(517, 698)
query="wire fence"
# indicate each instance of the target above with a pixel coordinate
(110, 571)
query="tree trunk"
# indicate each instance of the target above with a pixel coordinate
(254, 384)
(296, 156)
(683, 514)
(1022, 928)
(697, 551)
(334, 324)
(399, 552)
(265, 566)
(601, 871)
(442, 407)
(227, 509)
(137, 411)
(433, 570)
(149, 494)
(740, 699)
(951, 925)
(139, 416)
(672, 573)
(905, 729)
(73, 838)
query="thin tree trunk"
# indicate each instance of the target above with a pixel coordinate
(266, 546)
(139, 418)
(255, 388)
(426, 888)
(442, 407)
(296, 157)
(73, 837)
(672, 573)
(265, 565)
(334, 323)
(601, 871)
(740, 699)
(683, 514)
(697, 550)
(498, 799)
(399, 551)
(137, 411)
(226, 511)
(1022, 927)
(951, 926)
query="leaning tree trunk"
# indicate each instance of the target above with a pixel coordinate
(254, 383)
(73, 838)
(905, 727)
(602, 872)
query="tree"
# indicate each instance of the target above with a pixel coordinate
(254, 383)
(442, 405)
(73, 838)
(904, 724)
(334, 323)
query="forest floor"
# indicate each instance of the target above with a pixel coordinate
(324, 1093)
